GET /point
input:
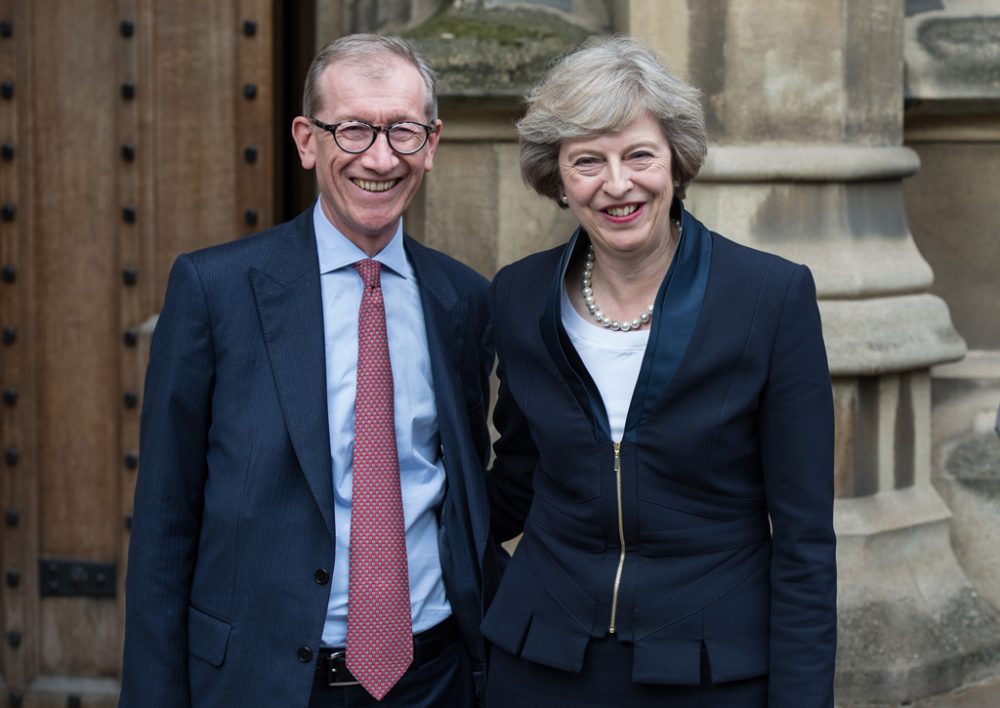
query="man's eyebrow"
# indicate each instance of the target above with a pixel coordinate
(394, 118)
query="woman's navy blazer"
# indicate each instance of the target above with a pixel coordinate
(708, 534)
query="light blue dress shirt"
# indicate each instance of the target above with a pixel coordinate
(421, 469)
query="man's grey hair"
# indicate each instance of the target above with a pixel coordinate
(370, 52)
(601, 87)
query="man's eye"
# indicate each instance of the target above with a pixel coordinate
(403, 132)
(354, 132)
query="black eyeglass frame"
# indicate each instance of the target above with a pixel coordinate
(331, 128)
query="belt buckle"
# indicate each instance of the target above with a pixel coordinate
(336, 669)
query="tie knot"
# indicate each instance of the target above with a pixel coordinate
(369, 271)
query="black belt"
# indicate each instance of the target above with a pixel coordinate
(331, 667)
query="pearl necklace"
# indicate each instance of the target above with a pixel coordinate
(595, 310)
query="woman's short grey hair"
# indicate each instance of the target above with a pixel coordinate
(602, 87)
(368, 52)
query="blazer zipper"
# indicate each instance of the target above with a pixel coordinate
(621, 539)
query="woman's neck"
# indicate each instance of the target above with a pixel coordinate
(624, 285)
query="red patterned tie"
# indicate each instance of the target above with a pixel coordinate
(379, 631)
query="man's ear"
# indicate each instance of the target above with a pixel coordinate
(432, 143)
(305, 141)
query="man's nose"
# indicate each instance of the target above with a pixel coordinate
(380, 157)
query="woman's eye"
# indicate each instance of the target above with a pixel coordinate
(587, 165)
(641, 155)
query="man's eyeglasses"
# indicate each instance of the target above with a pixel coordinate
(355, 136)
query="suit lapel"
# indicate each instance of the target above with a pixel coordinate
(290, 307)
(445, 319)
(444, 313)
(561, 351)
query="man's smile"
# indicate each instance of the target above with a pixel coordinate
(375, 185)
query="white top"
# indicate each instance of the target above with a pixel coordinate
(421, 470)
(613, 360)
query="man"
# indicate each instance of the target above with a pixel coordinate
(310, 524)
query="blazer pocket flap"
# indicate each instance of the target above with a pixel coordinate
(671, 656)
(207, 636)
(737, 630)
(556, 645)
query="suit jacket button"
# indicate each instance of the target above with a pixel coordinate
(321, 576)
(305, 654)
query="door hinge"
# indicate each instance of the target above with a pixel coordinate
(60, 577)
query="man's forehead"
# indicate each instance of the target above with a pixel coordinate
(383, 83)
(371, 65)
(374, 67)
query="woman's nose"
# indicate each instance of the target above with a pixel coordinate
(618, 181)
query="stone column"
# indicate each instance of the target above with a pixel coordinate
(804, 103)
(953, 122)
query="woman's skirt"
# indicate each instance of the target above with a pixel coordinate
(606, 680)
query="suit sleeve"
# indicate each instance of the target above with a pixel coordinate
(509, 480)
(168, 497)
(797, 429)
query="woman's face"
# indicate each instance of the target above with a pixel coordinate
(620, 186)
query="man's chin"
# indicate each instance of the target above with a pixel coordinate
(368, 233)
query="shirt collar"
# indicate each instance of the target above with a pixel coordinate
(336, 251)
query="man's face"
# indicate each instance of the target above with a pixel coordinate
(364, 195)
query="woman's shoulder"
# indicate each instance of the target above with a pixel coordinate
(771, 281)
(542, 259)
(742, 261)
(749, 255)
(534, 269)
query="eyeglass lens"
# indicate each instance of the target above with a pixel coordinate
(403, 137)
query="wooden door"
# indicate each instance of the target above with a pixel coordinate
(131, 130)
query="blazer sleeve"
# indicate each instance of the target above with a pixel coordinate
(509, 480)
(797, 429)
(168, 497)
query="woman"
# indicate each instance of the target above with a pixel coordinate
(666, 425)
